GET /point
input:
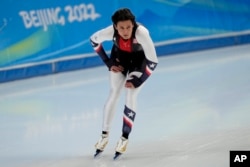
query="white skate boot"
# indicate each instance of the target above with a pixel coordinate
(121, 147)
(101, 144)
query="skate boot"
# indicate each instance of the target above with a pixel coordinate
(121, 147)
(101, 144)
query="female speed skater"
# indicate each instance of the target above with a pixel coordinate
(132, 60)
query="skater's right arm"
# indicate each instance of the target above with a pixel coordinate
(96, 40)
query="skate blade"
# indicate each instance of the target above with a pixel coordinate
(117, 156)
(97, 154)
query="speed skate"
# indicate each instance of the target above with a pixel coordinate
(98, 154)
(120, 148)
(101, 144)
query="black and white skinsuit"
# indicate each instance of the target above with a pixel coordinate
(138, 58)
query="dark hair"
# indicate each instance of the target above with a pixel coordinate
(122, 15)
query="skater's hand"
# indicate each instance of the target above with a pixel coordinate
(115, 66)
(133, 82)
(118, 68)
(129, 84)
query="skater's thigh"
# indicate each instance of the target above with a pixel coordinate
(131, 97)
(117, 81)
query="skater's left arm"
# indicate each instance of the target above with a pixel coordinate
(143, 37)
(98, 38)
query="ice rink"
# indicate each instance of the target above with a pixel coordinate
(192, 111)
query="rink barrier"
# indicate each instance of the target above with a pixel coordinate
(92, 60)
(196, 44)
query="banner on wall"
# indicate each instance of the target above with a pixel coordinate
(34, 32)
(43, 31)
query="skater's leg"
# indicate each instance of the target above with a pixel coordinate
(128, 120)
(117, 81)
(130, 110)
(116, 85)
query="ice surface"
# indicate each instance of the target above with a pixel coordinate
(192, 111)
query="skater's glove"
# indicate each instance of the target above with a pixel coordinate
(135, 81)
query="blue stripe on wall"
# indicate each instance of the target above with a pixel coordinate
(93, 61)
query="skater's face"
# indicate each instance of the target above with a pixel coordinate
(124, 28)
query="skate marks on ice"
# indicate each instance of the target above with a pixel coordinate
(206, 150)
(105, 160)
(228, 92)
